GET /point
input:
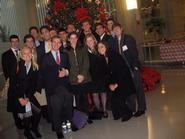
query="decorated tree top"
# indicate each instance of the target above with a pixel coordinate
(62, 12)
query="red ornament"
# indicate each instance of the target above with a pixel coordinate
(81, 14)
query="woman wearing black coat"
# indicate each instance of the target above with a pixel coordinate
(120, 82)
(26, 83)
(98, 72)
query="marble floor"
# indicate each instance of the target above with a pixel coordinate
(164, 119)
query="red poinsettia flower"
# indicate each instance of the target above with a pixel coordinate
(150, 78)
(81, 14)
(58, 5)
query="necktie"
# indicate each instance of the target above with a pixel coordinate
(119, 47)
(57, 58)
(27, 67)
(76, 61)
(49, 46)
(16, 53)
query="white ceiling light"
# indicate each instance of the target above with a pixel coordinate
(131, 4)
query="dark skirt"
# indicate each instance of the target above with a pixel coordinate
(99, 86)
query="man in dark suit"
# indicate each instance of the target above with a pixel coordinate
(63, 36)
(42, 50)
(34, 31)
(45, 45)
(126, 46)
(9, 65)
(86, 29)
(103, 36)
(54, 71)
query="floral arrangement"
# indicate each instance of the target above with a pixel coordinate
(150, 78)
(62, 12)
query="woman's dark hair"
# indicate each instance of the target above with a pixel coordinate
(27, 37)
(106, 46)
(72, 33)
(33, 28)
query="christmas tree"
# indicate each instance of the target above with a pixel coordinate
(62, 12)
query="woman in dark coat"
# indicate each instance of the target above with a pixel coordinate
(98, 72)
(120, 82)
(28, 108)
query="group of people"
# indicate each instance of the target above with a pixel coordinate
(81, 70)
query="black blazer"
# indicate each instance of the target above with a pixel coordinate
(9, 62)
(109, 40)
(120, 73)
(26, 85)
(9, 65)
(131, 53)
(50, 70)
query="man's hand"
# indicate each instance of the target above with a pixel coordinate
(62, 73)
(23, 101)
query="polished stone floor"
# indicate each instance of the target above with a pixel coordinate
(164, 119)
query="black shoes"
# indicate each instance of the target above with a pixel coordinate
(139, 113)
(60, 135)
(36, 132)
(126, 117)
(89, 121)
(19, 126)
(28, 135)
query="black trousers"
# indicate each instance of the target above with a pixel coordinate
(80, 91)
(139, 91)
(32, 122)
(119, 106)
(60, 107)
(17, 120)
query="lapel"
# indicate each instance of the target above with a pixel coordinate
(12, 54)
(52, 59)
(122, 42)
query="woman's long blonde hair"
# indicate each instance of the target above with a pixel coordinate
(34, 57)
(90, 35)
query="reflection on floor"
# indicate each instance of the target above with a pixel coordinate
(164, 118)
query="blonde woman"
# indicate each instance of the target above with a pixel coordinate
(98, 72)
(29, 41)
(26, 84)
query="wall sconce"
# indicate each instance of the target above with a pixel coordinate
(131, 4)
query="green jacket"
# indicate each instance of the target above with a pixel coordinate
(79, 65)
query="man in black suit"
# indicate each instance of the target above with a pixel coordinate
(42, 50)
(45, 45)
(86, 29)
(103, 36)
(9, 65)
(34, 31)
(126, 46)
(62, 33)
(54, 71)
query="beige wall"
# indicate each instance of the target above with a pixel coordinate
(26, 15)
(32, 13)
